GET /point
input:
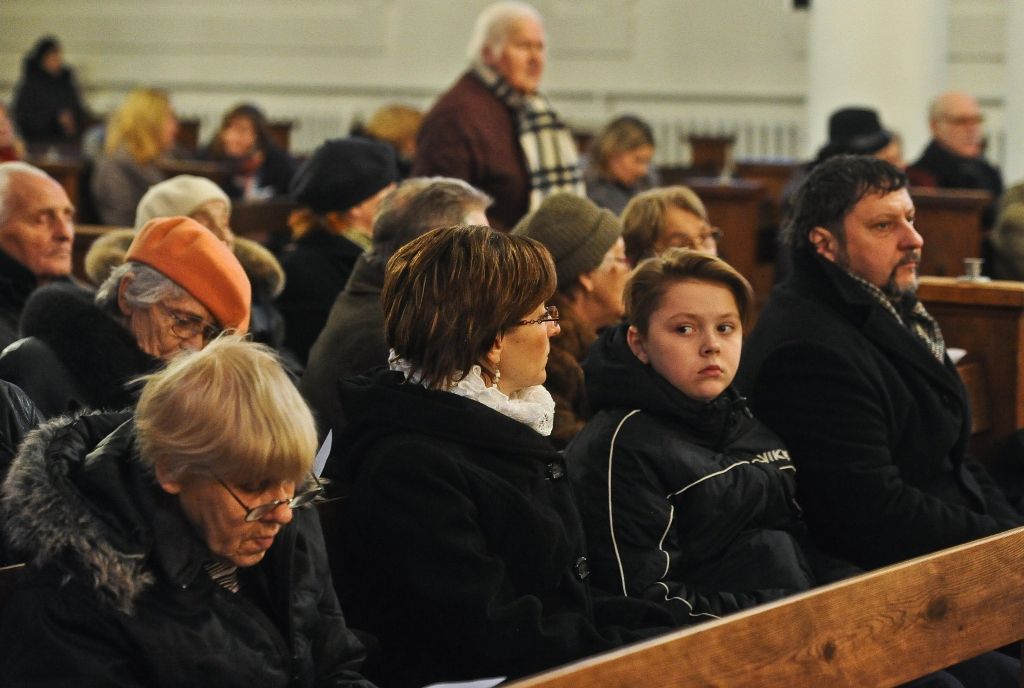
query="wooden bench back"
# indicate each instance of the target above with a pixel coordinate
(879, 629)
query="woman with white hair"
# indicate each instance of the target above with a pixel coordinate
(172, 548)
(493, 128)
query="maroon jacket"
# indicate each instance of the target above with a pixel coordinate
(470, 134)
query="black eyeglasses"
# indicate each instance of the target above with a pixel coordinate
(187, 325)
(255, 513)
(550, 316)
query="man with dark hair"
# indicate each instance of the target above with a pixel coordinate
(850, 369)
(352, 341)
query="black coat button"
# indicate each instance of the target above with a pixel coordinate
(582, 568)
(555, 471)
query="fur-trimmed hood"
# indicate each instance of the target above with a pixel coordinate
(51, 500)
(261, 267)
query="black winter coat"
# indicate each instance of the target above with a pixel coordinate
(39, 99)
(351, 343)
(118, 596)
(466, 552)
(876, 425)
(16, 284)
(74, 355)
(317, 267)
(701, 496)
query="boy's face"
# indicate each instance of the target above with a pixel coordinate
(693, 339)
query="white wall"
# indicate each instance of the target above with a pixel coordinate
(710, 65)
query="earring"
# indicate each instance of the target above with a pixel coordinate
(497, 374)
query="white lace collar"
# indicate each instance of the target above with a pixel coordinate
(532, 406)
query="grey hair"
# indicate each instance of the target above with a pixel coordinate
(419, 205)
(493, 24)
(8, 171)
(147, 287)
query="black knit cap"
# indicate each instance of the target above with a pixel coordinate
(342, 173)
(855, 131)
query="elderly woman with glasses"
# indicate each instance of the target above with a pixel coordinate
(180, 286)
(667, 217)
(171, 549)
(465, 553)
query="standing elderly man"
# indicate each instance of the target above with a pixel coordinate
(493, 129)
(954, 157)
(850, 369)
(352, 342)
(36, 231)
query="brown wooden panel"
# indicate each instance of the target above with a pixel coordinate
(950, 222)
(187, 137)
(879, 629)
(986, 319)
(773, 174)
(261, 220)
(710, 154)
(734, 205)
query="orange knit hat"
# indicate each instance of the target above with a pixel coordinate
(190, 255)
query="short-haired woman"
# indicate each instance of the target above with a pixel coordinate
(620, 163)
(170, 549)
(465, 549)
(687, 500)
(141, 131)
(667, 217)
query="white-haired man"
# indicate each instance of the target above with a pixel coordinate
(493, 129)
(36, 231)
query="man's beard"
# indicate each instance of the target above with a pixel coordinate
(891, 288)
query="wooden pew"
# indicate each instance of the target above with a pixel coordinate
(950, 220)
(263, 221)
(879, 629)
(214, 171)
(986, 319)
(773, 174)
(735, 205)
(710, 154)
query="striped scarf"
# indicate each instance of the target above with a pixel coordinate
(224, 575)
(911, 315)
(547, 143)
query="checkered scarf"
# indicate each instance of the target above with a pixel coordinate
(910, 313)
(546, 142)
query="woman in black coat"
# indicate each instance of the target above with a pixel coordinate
(169, 549)
(465, 551)
(47, 106)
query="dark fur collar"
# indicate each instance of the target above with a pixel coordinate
(100, 354)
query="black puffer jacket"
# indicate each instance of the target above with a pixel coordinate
(703, 517)
(118, 595)
(74, 355)
(466, 553)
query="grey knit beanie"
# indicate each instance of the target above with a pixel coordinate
(576, 232)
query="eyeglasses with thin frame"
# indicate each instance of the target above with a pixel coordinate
(707, 234)
(550, 316)
(299, 501)
(187, 325)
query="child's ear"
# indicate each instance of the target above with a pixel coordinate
(637, 344)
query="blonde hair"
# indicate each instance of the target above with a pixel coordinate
(621, 135)
(643, 218)
(229, 409)
(395, 123)
(138, 124)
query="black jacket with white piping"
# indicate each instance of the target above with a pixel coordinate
(687, 503)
